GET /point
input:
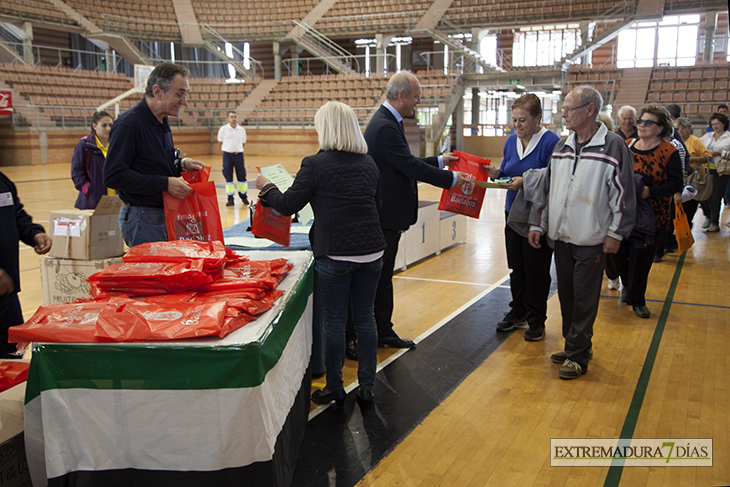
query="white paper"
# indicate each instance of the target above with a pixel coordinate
(283, 180)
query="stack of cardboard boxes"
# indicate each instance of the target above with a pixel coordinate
(84, 242)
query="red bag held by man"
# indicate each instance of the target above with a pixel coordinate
(196, 217)
(468, 198)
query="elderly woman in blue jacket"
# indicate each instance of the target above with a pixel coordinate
(342, 183)
(88, 162)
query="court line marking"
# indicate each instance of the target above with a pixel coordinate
(351, 387)
(449, 282)
(613, 477)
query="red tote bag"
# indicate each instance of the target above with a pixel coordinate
(269, 223)
(196, 217)
(468, 198)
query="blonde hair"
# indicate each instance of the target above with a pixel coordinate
(338, 129)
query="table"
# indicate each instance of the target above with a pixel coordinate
(209, 411)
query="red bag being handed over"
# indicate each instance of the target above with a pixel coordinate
(196, 217)
(59, 323)
(468, 198)
(269, 223)
(127, 321)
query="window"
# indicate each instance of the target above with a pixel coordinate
(544, 45)
(488, 50)
(671, 42)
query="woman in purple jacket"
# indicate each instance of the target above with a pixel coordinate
(88, 162)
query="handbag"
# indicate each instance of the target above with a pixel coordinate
(197, 216)
(701, 179)
(269, 223)
(468, 198)
(682, 230)
(723, 166)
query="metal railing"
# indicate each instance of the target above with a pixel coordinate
(306, 63)
(255, 69)
(60, 51)
(326, 49)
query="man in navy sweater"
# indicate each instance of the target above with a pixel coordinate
(399, 172)
(142, 161)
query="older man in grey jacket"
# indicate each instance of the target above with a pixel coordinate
(589, 209)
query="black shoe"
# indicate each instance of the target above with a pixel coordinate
(244, 198)
(534, 334)
(318, 397)
(351, 350)
(658, 257)
(512, 320)
(365, 398)
(394, 341)
(230, 200)
(642, 311)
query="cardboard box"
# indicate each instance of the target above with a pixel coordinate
(87, 234)
(65, 280)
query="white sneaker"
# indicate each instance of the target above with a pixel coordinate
(713, 228)
(706, 223)
(614, 284)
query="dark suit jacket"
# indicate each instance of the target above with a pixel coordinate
(399, 171)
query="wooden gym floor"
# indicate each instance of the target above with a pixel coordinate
(665, 377)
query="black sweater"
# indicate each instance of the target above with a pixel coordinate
(16, 225)
(344, 191)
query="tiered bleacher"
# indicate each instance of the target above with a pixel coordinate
(38, 10)
(63, 95)
(135, 18)
(373, 16)
(698, 89)
(605, 79)
(296, 99)
(253, 20)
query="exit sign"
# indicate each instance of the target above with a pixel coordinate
(514, 82)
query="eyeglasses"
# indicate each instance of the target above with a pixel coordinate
(646, 122)
(570, 110)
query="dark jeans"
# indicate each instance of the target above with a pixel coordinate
(384, 294)
(140, 224)
(530, 276)
(10, 315)
(340, 282)
(580, 274)
(230, 162)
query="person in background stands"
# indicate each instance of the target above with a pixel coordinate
(718, 143)
(627, 122)
(87, 163)
(142, 161)
(233, 138)
(399, 172)
(343, 184)
(529, 148)
(589, 208)
(17, 225)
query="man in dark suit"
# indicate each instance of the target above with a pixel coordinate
(399, 172)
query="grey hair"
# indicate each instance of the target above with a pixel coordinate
(587, 95)
(400, 81)
(684, 122)
(625, 108)
(162, 76)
